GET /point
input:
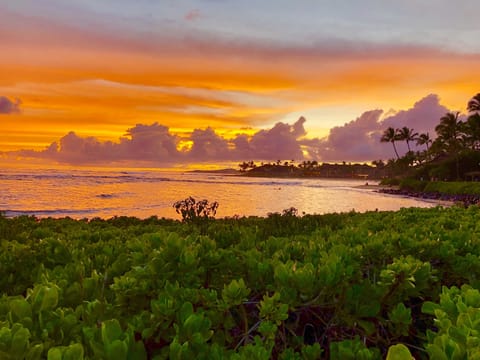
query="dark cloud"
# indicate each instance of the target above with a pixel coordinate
(357, 141)
(8, 106)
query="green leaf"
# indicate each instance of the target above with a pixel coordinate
(20, 341)
(268, 329)
(436, 352)
(429, 307)
(401, 314)
(54, 354)
(50, 298)
(73, 352)
(137, 351)
(341, 351)
(369, 310)
(367, 326)
(21, 308)
(5, 336)
(185, 311)
(111, 331)
(399, 352)
(235, 293)
(116, 350)
(311, 352)
(458, 335)
(472, 297)
(271, 309)
(35, 352)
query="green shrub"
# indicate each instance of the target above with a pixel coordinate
(329, 286)
(192, 210)
(390, 182)
(453, 188)
(412, 184)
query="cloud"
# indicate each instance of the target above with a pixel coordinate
(354, 141)
(149, 142)
(193, 15)
(423, 116)
(279, 142)
(208, 145)
(8, 106)
(157, 145)
(146, 143)
(357, 140)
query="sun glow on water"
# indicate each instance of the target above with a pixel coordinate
(60, 192)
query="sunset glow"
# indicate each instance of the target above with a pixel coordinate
(98, 70)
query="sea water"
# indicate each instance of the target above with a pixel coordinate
(89, 193)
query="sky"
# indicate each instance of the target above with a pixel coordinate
(169, 82)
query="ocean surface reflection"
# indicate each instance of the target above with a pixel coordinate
(93, 193)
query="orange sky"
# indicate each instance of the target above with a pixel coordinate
(98, 82)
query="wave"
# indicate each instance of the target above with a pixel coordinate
(46, 213)
(124, 177)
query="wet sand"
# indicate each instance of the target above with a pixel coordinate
(377, 187)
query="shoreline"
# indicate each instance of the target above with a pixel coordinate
(465, 200)
(377, 187)
(396, 191)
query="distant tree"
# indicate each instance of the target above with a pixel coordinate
(472, 131)
(390, 135)
(451, 136)
(424, 139)
(474, 103)
(472, 126)
(450, 132)
(243, 166)
(406, 134)
(378, 163)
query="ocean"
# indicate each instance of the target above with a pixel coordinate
(89, 193)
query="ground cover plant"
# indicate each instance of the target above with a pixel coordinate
(336, 286)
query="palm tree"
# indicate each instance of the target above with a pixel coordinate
(243, 166)
(450, 131)
(472, 131)
(390, 135)
(424, 139)
(451, 134)
(407, 135)
(474, 103)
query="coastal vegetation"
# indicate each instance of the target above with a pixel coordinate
(336, 286)
(453, 154)
(312, 169)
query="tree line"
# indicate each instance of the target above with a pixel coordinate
(453, 154)
(457, 142)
